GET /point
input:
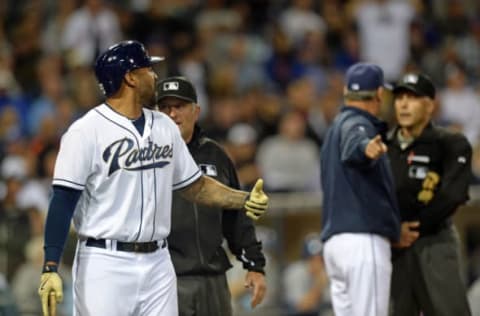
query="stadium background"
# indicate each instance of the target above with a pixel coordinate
(269, 76)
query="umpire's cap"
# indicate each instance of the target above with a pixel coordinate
(178, 87)
(362, 81)
(117, 60)
(419, 84)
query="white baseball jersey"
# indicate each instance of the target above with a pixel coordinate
(126, 178)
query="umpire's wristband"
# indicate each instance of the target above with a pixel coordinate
(50, 267)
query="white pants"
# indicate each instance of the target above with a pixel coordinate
(359, 268)
(109, 282)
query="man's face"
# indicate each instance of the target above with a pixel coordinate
(182, 112)
(412, 110)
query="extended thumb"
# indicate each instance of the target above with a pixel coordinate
(258, 186)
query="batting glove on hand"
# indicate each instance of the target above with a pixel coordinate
(256, 203)
(50, 282)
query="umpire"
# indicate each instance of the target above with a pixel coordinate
(197, 231)
(432, 170)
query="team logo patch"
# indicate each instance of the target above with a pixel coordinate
(412, 78)
(171, 85)
(462, 159)
(209, 170)
(417, 172)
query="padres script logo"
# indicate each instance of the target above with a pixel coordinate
(122, 154)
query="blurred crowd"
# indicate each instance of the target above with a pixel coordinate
(269, 74)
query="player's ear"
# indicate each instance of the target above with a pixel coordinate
(129, 79)
(380, 94)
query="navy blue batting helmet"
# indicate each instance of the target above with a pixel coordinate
(116, 61)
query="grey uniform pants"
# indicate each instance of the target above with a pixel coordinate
(427, 277)
(203, 296)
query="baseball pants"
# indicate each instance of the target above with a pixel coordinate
(359, 268)
(111, 282)
(427, 277)
(206, 295)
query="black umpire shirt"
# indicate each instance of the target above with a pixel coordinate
(435, 151)
(197, 232)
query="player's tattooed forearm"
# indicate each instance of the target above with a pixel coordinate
(210, 192)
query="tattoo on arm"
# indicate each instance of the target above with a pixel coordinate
(208, 191)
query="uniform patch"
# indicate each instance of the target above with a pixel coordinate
(417, 158)
(417, 172)
(424, 159)
(209, 170)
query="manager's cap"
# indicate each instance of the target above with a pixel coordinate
(363, 79)
(178, 87)
(419, 84)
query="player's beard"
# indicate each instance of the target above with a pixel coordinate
(149, 98)
(151, 102)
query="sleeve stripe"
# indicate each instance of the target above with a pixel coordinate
(187, 181)
(68, 183)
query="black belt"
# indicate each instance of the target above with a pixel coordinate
(143, 247)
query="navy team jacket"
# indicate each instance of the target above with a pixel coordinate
(358, 193)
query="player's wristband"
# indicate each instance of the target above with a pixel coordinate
(50, 267)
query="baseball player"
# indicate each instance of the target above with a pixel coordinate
(360, 212)
(114, 174)
(432, 171)
(197, 232)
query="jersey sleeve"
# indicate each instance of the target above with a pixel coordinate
(186, 170)
(74, 160)
(355, 135)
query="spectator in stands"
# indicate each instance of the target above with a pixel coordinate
(26, 292)
(241, 295)
(459, 104)
(289, 161)
(90, 29)
(299, 19)
(241, 145)
(305, 282)
(384, 27)
(7, 302)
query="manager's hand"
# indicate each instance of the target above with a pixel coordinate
(375, 148)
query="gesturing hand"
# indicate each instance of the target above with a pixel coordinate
(256, 203)
(375, 148)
